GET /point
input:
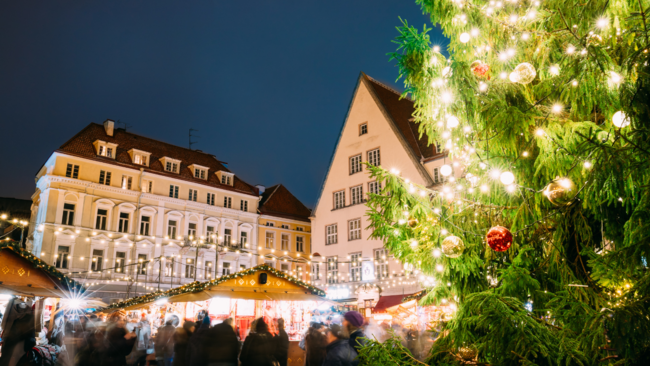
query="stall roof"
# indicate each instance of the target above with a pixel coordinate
(22, 273)
(241, 285)
(386, 302)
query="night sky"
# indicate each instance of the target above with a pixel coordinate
(266, 83)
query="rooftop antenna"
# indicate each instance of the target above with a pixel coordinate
(190, 137)
(124, 123)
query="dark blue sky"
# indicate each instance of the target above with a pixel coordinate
(266, 83)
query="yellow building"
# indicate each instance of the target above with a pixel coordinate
(285, 232)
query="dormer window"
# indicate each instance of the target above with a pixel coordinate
(200, 172)
(139, 157)
(107, 149)
(171, 165)
(226, 178)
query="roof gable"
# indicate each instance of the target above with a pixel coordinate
(278, 201)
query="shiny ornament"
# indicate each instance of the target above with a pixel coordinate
(560, 191)
(499, 238)
(480, 69)
(413, 222)
(464, 37)
(453, 246)
(524, 73)
(467, 353)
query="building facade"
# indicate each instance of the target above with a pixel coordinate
(378, 129)
(285, 232)
(129, 214)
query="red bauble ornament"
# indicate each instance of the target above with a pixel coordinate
(480, 69)
(499, 238)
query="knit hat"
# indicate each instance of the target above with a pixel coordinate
(354, 318)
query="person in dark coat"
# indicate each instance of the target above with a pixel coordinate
(281, 344)
(223, 345)
(339, 351)
(164, 343)
(18, 334)
(181, 338)
(315, 343)
(199, 345)
(118, 343)
(258, 347)
(352, 322)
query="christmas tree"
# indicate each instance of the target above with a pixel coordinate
(540, 239)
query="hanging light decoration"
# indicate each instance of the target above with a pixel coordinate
(453, 246)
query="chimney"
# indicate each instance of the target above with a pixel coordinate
(261, 188)
(109, 124)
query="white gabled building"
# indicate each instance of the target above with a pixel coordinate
(378, 129)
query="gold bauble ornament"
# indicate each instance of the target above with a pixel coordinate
(467, 353)
(561, 191)
(524, 73)
(413, 222)
(453, 246)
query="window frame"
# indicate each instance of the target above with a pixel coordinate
(363, 131)
(193, 194)
(144, 224)
(300, 244)
(123, 223)
(210, 198)
(341, 199)
(285, 244)
(355, 164)
(72, 171)
(376, 155)
(329, 233)
(105, 177)
(332, 270)
(271, 244)
(227, 202)
(63, 262)
(355, 269)
(354, 233)
(173, 191)
(359, 195)
(127, 182)
(68, 214)
(98, 218)
(96, 264)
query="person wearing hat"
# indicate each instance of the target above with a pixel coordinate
(352, 322)
(339, 352)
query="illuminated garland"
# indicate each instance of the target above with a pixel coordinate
(197, 286)
(416, 296)
(70, 284)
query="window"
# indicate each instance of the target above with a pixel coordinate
(140, 159)
(102, 150)
(332, 234)
(169, 268)
(227, 202)
(438, 147)
(226, 179)
(363, 129)
(102, 216)
(123, 226)
(68, 214)
(355, 267)
(193, 194)
(300, 244)
(104, 177)
(332, 270)
(189, 268)
(144, 225)
(120, 260)
(437, 178)
(355, 229)
(284, 226)
(191, 230)
(109, 152)
(173, 191)
(285, 241)
(284, 267)
(209, 232)
(242, 267)
(270, 238)
(72, 171)
(142, 264)
(226, 269)
(243, 239)
(355, 164)
(126, 182)
(210, 200)
(199, 173)
(270, 264)
(171, 229)
(207, 271)
(147, 186)
(339, 199)
(356, 195)
(374, 187)
(373, 157)
(62, 254)
(298, 228)
(244, 206)
(98, 258)
(315, 271)
(268, 223)
(227, 236)
(381, 266)
(171, 166)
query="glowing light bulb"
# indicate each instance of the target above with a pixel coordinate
(620, 120)
(484, 188)
(452, 122)
(557, 108)
(602, 23)
(525, 36)
(446, 97)
(513, 18)
(587, 165)
(615, 78)
(439, 268)
(482, 86)
(503, 75)
(574, 83)
(539, 132)
(524, 154)
(464, 37)
(570, 49)
(495, 173)
(554, 70)
(507, 178)
(436, 48)
(445, 170)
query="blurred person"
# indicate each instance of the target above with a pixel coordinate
(339, 352)
(352, 322)
(258, 347)
(164, 343)
(197, 349)
(281, 343)
(118, 342)
(315, 343)
(223, 345)
(181, 338)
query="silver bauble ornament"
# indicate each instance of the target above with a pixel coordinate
(561, 191)
(453, 246)
(524, 73)
(467, 353)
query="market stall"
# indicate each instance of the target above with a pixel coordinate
(244, 296)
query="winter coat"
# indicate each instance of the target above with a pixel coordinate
(258, 350)
(199, 346)
(357, 339)
(164, 343)
(181, 339)
(117, 347)
(340, 353)
(315, 344)
(281, 347)
(223, 346)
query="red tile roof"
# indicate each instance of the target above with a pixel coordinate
(401, 110)
(82, 145)
(278, 201)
